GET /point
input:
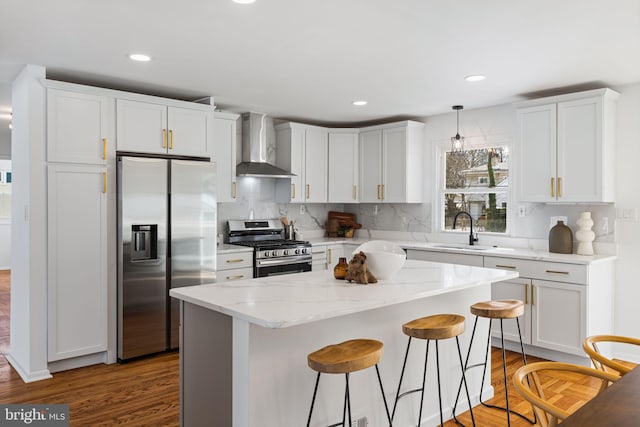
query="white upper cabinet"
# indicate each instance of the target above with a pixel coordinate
(225, 145)
(343, 166)
(391, 163)
(567, 148)
(144, 127)
(302, 150)
(78, 127)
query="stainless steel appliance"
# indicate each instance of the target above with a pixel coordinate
(272, 254)
(166, 239)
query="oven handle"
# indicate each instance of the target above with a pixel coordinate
(262, 262)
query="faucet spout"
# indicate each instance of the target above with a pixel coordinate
(472, 238)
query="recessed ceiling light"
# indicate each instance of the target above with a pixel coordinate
(359, 103)
(140, 57)
(475, 78)
(244, 1)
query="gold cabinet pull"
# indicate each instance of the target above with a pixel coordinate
(505, 266)
(329, 256)
(526, 293)
(234, 190)
(378, 191)
(553, 181)
(556, 272)
(355, 192)
(104, 148)
(559, 192)
(239, 276)
(293, 190)
(533, 293)
(170, 139)
(164, 138)
(382, 197)
(104, 182)
(232, 261)
(308, 191)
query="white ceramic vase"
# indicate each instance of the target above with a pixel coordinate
(585, 235)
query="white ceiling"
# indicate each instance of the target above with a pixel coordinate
(305, 60)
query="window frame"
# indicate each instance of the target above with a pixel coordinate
(444, 146)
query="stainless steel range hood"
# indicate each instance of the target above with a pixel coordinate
(254, 149)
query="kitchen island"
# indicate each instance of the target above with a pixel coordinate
(244, 344)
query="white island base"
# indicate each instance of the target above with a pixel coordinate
(244, 364)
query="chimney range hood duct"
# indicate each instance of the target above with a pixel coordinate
(254, 149)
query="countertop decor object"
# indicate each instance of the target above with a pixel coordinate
(585, 235)
(340, 270)
(560, 239)
(384, 258)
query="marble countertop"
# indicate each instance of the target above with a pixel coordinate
(496, 251)
(295, 299)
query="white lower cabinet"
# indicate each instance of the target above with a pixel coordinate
(326, 256)
(77, 260)
(559, 313)
(234, 266)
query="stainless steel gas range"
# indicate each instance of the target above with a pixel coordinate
(272, 254)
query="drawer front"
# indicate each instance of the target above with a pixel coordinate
(319, 252)
(235, 260)
(234, 274)
(544, 270)
(446, 257)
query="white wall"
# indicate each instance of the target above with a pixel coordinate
(28, 347)
(627, 315)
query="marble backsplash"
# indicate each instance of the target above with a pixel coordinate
(257, 200)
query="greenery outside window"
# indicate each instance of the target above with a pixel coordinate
(476, 180)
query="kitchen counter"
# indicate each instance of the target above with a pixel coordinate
(500, 251)
(244, 344)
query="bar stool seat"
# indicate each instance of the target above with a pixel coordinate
(436, 327)
(349, 356)
(345, 358)
(498, 309)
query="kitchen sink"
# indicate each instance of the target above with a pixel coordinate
(464, 247)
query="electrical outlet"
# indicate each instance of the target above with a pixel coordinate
(522, 211)
(360, 422)
(302, 210)
(554, 220)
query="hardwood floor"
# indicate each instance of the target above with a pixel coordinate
(145, 392)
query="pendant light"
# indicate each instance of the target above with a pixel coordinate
(457, 142)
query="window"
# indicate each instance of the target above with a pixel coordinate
(5, 189)
(477, 181)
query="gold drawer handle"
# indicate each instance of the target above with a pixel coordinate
(379, 197)
(355, 192)
(526, 293)
(239, 276)
(234, 193)
(505, 266)
(170, 139)
(104, 182)
(553, 187)
(308, 191)
(557, 272)
(231, 261)
(293, 191)
(559, 187)
(104, 148)
(382, 198)
(164, 138)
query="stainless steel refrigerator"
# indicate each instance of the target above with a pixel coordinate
(166, 239)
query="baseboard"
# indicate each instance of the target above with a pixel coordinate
(27, 377)
(556, 356)
(78, 362)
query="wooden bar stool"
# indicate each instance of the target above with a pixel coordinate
(496, 309)
(345, 358)
(437, 327)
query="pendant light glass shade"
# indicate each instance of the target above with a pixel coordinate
(457, 142)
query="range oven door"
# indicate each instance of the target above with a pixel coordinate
(264, 268)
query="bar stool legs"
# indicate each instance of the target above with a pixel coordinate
(504, 372)
(433, 327)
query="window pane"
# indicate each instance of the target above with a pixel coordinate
(489, 211)
(477, 169)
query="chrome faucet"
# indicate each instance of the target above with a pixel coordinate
(472, 238)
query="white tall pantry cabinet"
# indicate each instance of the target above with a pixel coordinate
(567, 148)
(79, 140)
(225, 144)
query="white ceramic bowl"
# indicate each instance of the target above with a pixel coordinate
(384, 259)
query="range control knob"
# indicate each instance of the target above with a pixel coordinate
(303, 250)
(285, 252)
(265, 253)
(274, 253)
(297, 252)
